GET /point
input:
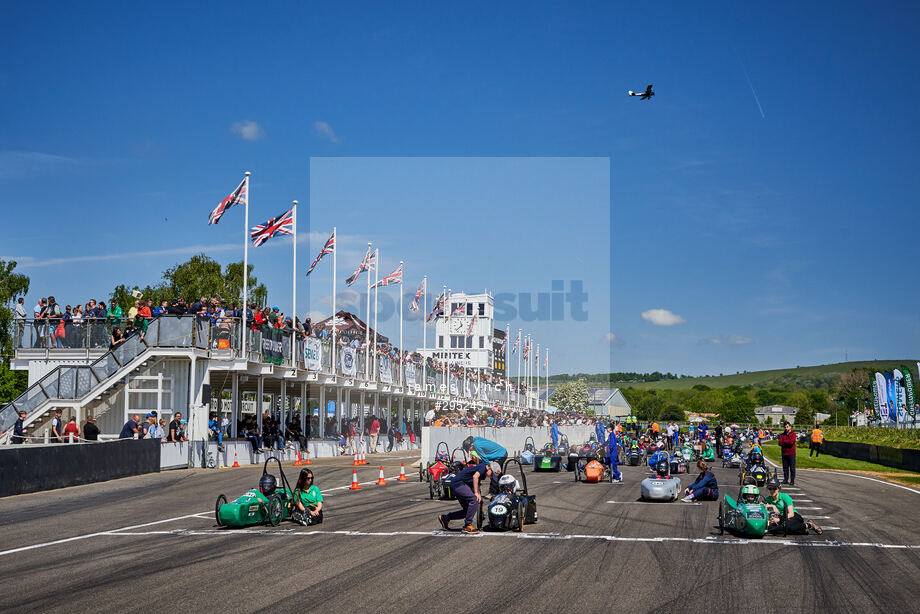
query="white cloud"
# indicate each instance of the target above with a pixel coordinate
(662, 317)
(324, 129)
(249, 130)
(728, 340)
(613, 340)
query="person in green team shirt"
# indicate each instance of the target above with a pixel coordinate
(308, 500)
(783, 515)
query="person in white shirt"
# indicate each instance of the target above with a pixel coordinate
(429, 416)
(20, 316)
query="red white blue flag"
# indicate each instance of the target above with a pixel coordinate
(438, 309)
(418, 296)
(281, 225)
(368, 264)
(469, 332)
(239, 196)
(393, 278)
(504, 344)
(328, 248)
(517, 342)
(459, 311)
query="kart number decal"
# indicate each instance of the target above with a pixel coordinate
(756, 515)
(253, 508)
(657, 483)
(499, 510)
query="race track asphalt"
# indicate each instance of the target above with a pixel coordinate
(145, 541)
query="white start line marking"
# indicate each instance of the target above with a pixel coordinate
(808, 508)
(650, 503)
(716, 541)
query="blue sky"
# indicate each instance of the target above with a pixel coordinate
(747, 240)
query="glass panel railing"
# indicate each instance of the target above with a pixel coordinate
(85, 381)
(67, 382)
(174, 331)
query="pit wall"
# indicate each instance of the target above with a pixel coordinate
(900, 458)
(512, 438)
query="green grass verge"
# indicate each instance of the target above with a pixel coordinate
(826, 461)
(894, 438)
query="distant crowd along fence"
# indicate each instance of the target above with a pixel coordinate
(223, 339)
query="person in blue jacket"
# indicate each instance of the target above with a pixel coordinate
(705, 488)
(485, 450)
(613, 453)
(704, 431)
(554, 435)
(599, 431)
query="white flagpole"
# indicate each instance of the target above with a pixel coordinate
(294, 301)
(399, 354)
(537, 356)
(425, 334)
(547, 375)
(335, 249)
(507, 378)
(447, 310)
(376, 279)
(246, 266)
(367, 323)
(520, 351)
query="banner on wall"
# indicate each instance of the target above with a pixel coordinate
(882, 389)
(349, 361)
(271, 346)
(312, 354)
(909, 392)
(411, 375)
(385, 370)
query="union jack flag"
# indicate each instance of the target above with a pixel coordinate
(239, 196)
(504, 343)
(469, 333)
(368, 264)
(459, 311)
(282, 225)
(517, 342)
(525, 351)
(393, 278)
(328, 248)
(438, 309)
(545, 359)
(418, 296)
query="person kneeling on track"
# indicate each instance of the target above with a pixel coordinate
(783, 517)
(466, 488)
(308, 500)
(481, 449)
(705, 488)
(613, 454)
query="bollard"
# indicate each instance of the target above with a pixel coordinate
(70, 435)
(47, 437)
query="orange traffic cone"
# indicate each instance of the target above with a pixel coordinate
(363, 458)
(356, 462)
(307, 461)
(381, 481)
(298, 462)
(236, 462)
(354, 480)
(402, 473)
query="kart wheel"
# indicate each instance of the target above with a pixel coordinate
(721, 520)
(431, 484)
(221, 500)
(520, 515)
(479, 517)
(275, 510)
(421, 473)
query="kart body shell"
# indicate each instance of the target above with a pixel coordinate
(657, 488)
(592, 470)
(254, 507)
(634, 456)
(733, 460)
(744, 519)
(528, 453)
(512, 508)
(678, 463)
(753, 474)
(547, 459)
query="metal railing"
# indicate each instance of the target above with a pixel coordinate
(71, 382)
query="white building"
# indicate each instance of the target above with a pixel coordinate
(466, 335)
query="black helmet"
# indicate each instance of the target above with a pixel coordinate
(662, 467)
(267, 484)
(467, 443)
(756, 458)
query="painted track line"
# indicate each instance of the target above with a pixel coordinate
(649, 503)
(716, 541)
(87, 536)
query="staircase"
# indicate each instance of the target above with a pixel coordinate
(70, 386)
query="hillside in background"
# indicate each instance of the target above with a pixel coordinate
(819, 376)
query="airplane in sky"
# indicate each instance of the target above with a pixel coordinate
(646, 95)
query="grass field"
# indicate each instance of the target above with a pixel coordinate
(805, 376)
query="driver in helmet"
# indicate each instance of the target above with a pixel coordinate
(750, 494)
(267, 485)
(662, 469)
(755, 459)
(508, 483)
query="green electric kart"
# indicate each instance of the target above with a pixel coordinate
(743, 519)
(256, 507)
